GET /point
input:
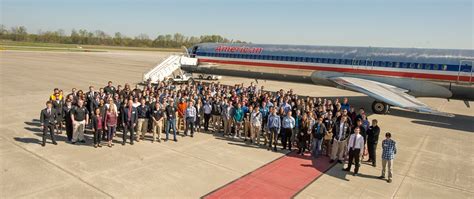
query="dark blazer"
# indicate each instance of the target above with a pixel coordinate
(373, 134)
(346, 131)
(95, 121)
(134, 115)
(66, 112)
(47, 119)
(58, 106)
(319, 134)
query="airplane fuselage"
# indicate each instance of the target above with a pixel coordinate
(441, 73)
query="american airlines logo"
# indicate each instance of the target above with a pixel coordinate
(241, 49)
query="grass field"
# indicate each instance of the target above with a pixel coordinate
(32, 46)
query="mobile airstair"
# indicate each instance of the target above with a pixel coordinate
(168, 67)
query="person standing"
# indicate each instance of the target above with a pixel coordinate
(58, 105)
(111, 121)
(182, 105)
(48, 118)
(190, 115)
(355, 148)
(80, 118)
(199, 115)
(217, 116)
(274, 125)
(288, 123)
(318, 132)
(129, 119)
(143, 115)
(389, 149)
(171, 119)
(339, 142)
(207, 108)
(67, 118)
(227, 118)
(98, 127)
(303, 136)
(238, 119)
(372, 140)
(157, 116)
(256, 124)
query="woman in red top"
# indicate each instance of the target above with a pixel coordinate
(111, 123)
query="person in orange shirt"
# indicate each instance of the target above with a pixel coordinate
(182, 105)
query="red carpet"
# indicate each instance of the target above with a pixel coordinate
(282, 178)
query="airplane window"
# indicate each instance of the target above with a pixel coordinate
(427, 66)
(445, 67)
(369, 63)
(362, 62)
(376, 63)
(412, 65)
(397, 64)
(389, 64)
(435, 67)
(420, 66)
(404, 65)
(318, 60)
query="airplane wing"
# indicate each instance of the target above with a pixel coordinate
(386, 93)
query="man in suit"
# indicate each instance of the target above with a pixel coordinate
(372, 139)
(355, 148)
(67, 118)
(129, 120)
(48, 117)
(339, 142)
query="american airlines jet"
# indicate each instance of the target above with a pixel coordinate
(391, 76)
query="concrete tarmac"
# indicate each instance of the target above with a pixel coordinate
(435, 154)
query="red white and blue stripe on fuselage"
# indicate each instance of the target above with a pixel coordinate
(435, 69)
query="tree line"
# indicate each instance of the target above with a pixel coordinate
(99, 37)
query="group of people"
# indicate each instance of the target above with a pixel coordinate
(319, 126)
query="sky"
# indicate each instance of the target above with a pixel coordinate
(384, 23)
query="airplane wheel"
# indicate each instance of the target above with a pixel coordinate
(201, 77)
(209, 78)
(380, 107)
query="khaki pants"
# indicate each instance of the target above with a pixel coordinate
(181, 123)
(254, 133)
(157, 129)
(384, 165)
(247, 128)
(216, 123)
(227, 126)
(78, 132)
(337, 151)
(142, 127)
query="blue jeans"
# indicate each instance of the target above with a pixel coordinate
(171, 123)
(316, 150)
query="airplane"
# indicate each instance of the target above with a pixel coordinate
(391, 76)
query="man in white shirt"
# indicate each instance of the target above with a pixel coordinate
(256, 123)
(356, 148)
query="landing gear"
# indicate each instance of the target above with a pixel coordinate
(380, 107)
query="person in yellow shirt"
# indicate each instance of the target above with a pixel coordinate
(54, 96)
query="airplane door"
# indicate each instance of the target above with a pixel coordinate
(465, 71)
